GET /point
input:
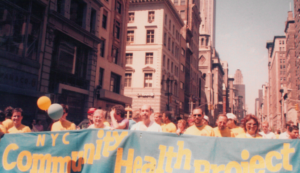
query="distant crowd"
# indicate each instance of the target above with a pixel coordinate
(145, 119)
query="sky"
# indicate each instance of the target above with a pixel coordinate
(242, 29)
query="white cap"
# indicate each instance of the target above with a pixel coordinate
(231, 116)
(206, 118)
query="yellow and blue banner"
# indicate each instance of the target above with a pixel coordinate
(94, 150)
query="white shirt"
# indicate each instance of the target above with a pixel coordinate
(92, 126)
(284, 135)
(269, 135)
(153, 127)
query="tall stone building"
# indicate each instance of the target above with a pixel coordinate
(277, 79)
(153, 55)
(209, 60)
(291, 88)
(57, 49)
(239, 86)
(297, 46)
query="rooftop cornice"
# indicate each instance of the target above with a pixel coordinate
(171, 5)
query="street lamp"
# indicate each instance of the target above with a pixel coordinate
(168, 93)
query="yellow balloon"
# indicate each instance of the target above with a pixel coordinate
(44, 103)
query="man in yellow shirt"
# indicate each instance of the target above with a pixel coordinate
(8, 123)
(18, 127)
(63, 123)
(222, 130)
(198, 128)
(231, 124)
(168, 126)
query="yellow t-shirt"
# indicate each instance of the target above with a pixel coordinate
(244, 135)
(63, 125)
(170, 127)
(200, 131)
(224, 133)
(2, 129)
(237, 131)
(8, 123)
(106, 123)
(21, 129)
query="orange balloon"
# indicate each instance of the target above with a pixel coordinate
(44, 103)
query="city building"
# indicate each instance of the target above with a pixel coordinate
(277, 79)
(153, 55)
(57, 49)
(239, 86)
(290, 89)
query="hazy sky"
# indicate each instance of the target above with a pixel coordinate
(242, 29)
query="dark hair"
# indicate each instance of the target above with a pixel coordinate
(288, 124)
(8, 112)
(248, 118)
(17, 110)
(65, 107)
(278, 131)
(2, 116)
(169, 115)
(293, 127)
(120, 110)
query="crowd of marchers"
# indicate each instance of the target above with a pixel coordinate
(144, 119)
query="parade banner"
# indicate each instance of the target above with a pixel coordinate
(140, 152)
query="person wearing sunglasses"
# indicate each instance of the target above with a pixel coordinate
(250, 124)
(199, 128)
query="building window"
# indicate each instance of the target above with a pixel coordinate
(175, 88)
(151, 16)
(131, 17)
(175, 2)
(182, 2)
(148, 80)
(128, 77)
(128, 59)
(181, 85)
(166, 19)
(104, 19)
(101, 75)
(77, 11)
(93, 21)
(117, 30)
(150, 36)
(173, 29)
(182, 52)
(170, 25)
(118, 7)
(149, 58)
(165, 39)
(181, 67)
(164, 61)
(168, 64)
(171, 67)
(115, 83)
(172, 47)
(169, 43)
(130, 36)
(182, 14)
(115, 54)
(102, 48)
(60, 6)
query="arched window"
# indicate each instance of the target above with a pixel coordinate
(202, 41)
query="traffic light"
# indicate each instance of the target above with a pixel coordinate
(296, 107)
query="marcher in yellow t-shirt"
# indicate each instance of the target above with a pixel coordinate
(8, 123)
(198, 128)
(250, 124)
(222, 130)
(168, 126)
(232, 124)
(2, 128)
(63, 123)
(18, 127)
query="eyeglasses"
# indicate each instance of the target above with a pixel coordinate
(249, 124)
(199, 115)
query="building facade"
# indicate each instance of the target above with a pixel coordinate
(58, 49)
(240, 89)
(277, 79)
(153, 54)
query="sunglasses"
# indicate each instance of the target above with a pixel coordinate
(199, 115)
